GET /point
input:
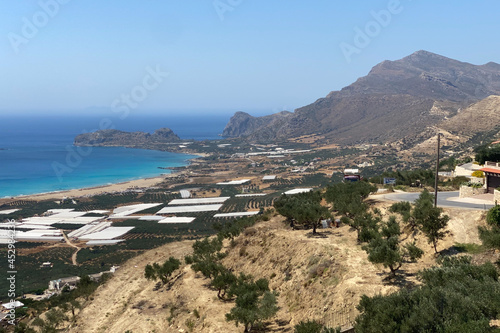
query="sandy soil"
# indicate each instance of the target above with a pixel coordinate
(129, 302)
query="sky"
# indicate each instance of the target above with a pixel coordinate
(221, 56)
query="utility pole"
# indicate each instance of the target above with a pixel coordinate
(437, 172)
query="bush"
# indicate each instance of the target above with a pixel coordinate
(472, 184)
(493, 217)
(320, 269)
(407, 177)
(487, 153)
(478, 174)
(490, 237)
(312, 326)
(455, 297)
(250, 232)
(162, 272)
(254, 302)
(413, 251)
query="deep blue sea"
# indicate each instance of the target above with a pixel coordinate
(37, 153)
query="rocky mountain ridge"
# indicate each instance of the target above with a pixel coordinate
(396, 100)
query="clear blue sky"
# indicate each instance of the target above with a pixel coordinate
(263, 57)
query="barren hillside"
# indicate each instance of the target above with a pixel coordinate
(482, 116)
(319, 278)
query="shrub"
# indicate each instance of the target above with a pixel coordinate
(493, 217)
(162, 272)
(478, 174)
(319, 269)
(250, 232)
(472, 184)
(312, 326)
(254, 302)
(455, 297)
(413, 251)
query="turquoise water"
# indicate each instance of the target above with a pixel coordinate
(37, 155)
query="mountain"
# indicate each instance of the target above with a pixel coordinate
(397, 99)
(243, 124)
(112, 137)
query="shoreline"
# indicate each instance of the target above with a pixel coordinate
(106, 188)
(94, 190)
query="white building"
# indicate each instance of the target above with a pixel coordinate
(466, 169)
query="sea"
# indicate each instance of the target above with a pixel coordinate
(37, 153)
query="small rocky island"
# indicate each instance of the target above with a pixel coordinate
(116, 138)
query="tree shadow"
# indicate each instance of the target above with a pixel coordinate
(400, 279)
(319, 234)
(271, 327)
(371, 202)
(451, 251)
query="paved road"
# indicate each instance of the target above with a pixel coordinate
(443, 200)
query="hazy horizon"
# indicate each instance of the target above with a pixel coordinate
(219, 56)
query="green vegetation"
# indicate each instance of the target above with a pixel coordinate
(365, 224)
(478, 173)
(455, 182)
(304, 209)
(254, 302)
(206, 256)
(310, 180)
(223, 281)
(487, 153)
(403, 208)
(424, 216)
(385, 247)
(53, 319)
(312, 326)
(472, 184)
(145, 235)
(348, 199)
(469, 248)
(457, 296)
(407, 177)
(162, 272)
(493, 216)
(490, 236)
(58, 305)
(430, 219)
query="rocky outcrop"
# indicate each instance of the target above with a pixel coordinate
(112, 137)
(243, 124)
(396, 100)
(483, 116)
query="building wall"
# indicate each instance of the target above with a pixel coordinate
(497, 196)
(466, 191)
(479, 180)
(466, 169)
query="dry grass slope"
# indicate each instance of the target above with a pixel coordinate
(318, 278)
